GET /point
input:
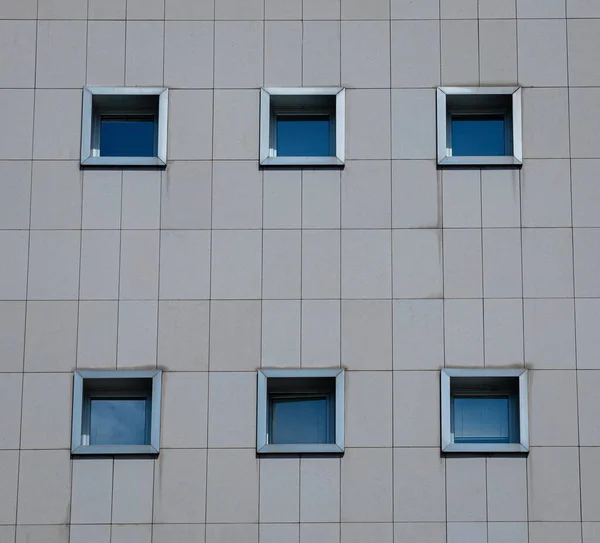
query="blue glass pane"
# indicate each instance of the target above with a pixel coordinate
(118, 422)
(127, 137)
(478, 136)
(299, 420)
(303, 136)
(480, 419)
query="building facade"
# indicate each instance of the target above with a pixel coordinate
(388, 265)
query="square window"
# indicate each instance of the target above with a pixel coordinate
(124, 126)
(479, 126)
(116, 412)
(302, 418)
(305, 135)
(480, 135)
(121, 420)
(302, 127)
(128, 135)
(484, 410)
(300, 411)
(481, 419)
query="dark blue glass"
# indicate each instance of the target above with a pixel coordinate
(299, 420)
(479, 135)
(127, 137)
(118, 422)
(304, 135)
(481, 419)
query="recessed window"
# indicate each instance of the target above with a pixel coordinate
(480, 135)
(479, 126)
(116, 412)
(480, 418)
(122, 135)
(305, 135)
(300, 411)
(302, 126)
(124, 127)
(122, 420)
(484, 410)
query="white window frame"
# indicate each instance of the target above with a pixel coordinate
(90, 126)
(263, 412)
(515, 137)
(448, 444)
(81, 412)
(268, 123)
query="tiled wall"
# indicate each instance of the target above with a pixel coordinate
(212, 268)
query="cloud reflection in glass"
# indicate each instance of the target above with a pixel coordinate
(116, 421)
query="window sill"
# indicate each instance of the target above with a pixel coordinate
(114, 450)
(99, 161)
(506, 161)
(485, 448)
(308, 448)
(302, 161)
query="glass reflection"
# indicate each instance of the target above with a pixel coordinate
(118, 421)
(304, 135)
(481, 419)
(479, 135)
(127, 137)
(299, 420)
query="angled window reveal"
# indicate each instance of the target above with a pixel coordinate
(124, 126)
(479, 126)
(302, 127)
(300, 411)
(484, 410)
(116, 412)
